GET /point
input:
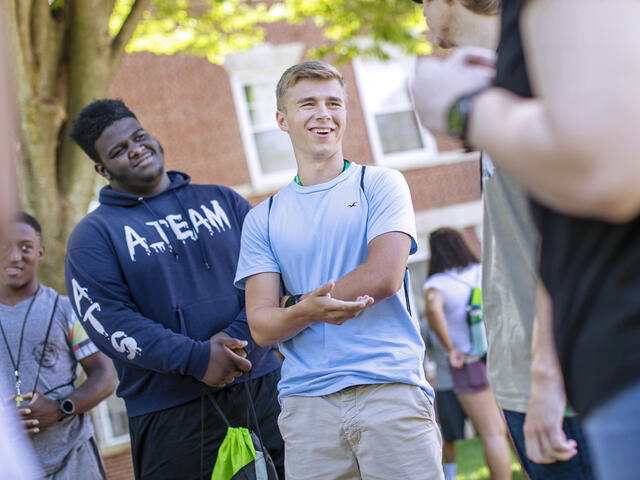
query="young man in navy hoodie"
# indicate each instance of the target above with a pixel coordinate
(150, 273)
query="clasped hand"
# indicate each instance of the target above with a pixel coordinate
(227, 360)
(36, 412)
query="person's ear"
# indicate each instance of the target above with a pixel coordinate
(101, 170)
(41, 252)
(282, 121)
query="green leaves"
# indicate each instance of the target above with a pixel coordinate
(215, 28)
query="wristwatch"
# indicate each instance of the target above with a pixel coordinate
(67, 407)
(458, 116)
(292, 300)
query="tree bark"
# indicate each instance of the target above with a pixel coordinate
(65, 59)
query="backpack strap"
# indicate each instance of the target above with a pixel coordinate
(405, 283)
(282, 285)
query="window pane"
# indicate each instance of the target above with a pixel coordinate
(385, 84)
(261, 100)
(399, 132)
(117, 416)
(274, 151)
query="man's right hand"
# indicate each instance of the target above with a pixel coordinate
(456, 358)
(226, 360)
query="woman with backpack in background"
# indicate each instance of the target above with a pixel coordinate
(453, 308)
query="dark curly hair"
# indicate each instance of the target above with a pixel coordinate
(449, 250)
(92, 121)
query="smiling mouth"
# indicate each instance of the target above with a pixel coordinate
(321, 131)
(143, 160)
(13, 270)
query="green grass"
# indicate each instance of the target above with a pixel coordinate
(471, 464)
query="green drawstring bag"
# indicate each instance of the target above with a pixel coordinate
(241, 455)
(236, 451)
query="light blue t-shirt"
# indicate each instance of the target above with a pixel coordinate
(319, 233)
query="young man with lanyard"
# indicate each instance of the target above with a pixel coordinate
(42, 343)
(573, 146)
(151, 272)
(509, 279)
(355, 402)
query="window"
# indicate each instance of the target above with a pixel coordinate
(272, 147)
(254, 76)
(396, 136)
(111, 422)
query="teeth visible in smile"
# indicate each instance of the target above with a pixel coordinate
(322, 130)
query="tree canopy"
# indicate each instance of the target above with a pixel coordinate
(67, 51)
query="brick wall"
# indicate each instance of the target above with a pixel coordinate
(118, 464)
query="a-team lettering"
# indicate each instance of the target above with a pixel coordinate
(120, 341)
(155, 240)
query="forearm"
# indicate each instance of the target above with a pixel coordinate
(438, 325)
(271, 324)
(367, 280)
(519, 136)
(93, 390)
(382, 274)
(545, 368)
(239, 329)
(575, 147)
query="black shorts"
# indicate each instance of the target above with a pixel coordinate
(168, 444)
(450, 415)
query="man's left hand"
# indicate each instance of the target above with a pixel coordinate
(545, 440)
(438, 83)
(40, 413)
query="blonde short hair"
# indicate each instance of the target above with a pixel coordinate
(483, 7)
(314, 70)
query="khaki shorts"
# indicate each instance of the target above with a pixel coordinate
(381, 431)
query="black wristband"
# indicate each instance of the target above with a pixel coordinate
(291, 301)
(458, 117)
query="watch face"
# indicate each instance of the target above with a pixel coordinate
(67, 406)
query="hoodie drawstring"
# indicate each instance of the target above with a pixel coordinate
(155, 215)
(203, 253)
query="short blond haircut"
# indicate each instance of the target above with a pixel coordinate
(483, 7)
(314, 70)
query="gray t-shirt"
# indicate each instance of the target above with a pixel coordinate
(510, 243)
(67, 343)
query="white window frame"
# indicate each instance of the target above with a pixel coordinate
(102, 423)
(428, 155)
(262, 64)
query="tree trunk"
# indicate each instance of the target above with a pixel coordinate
(65, 59)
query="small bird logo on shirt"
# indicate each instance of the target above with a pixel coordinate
(354, 204)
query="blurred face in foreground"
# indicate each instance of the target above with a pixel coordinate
(452, 25)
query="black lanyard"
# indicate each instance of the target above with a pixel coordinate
(16, 363)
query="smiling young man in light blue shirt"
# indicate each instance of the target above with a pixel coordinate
(355, 402)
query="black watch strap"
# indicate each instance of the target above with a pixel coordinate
(291, 301)
(458, 116)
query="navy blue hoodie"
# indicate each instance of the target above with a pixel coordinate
(151, 279)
